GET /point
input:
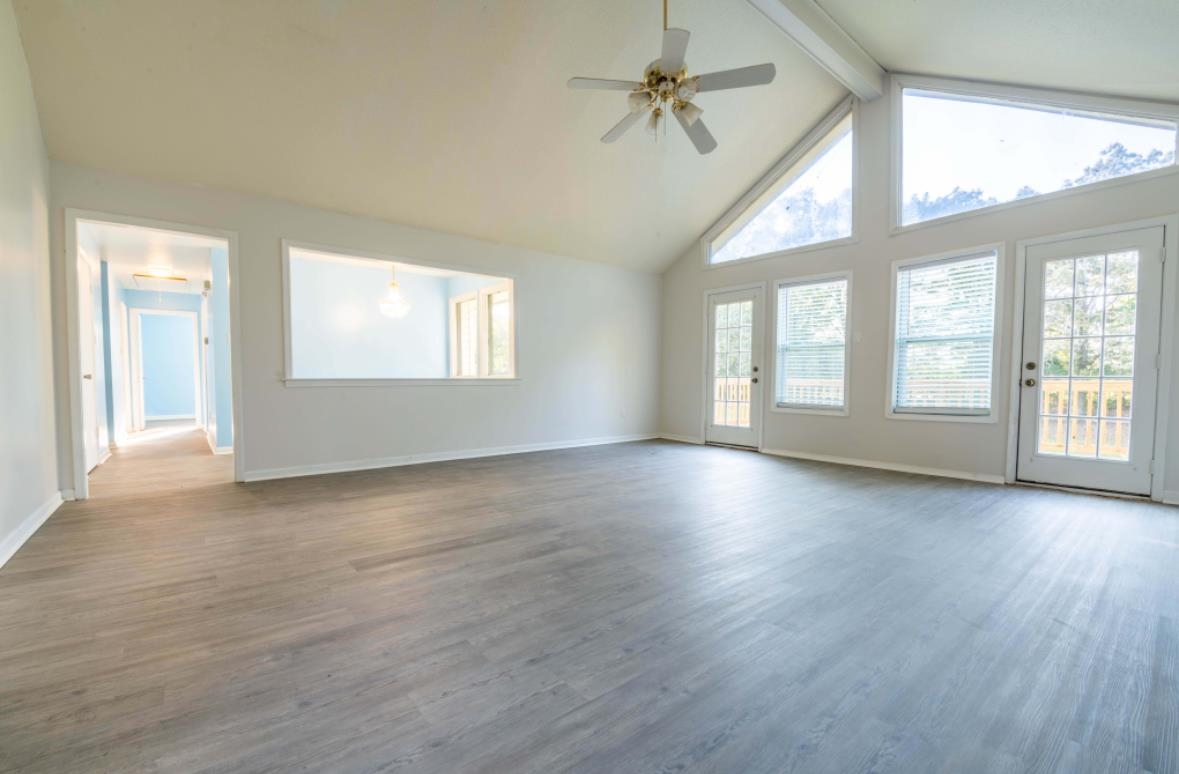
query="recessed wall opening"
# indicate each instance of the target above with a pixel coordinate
(356, 317)
(154, 372)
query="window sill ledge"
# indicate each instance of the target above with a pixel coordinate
(457, 382)
(814, 411)
(977, 419)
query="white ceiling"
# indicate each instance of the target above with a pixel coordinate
(451, 115)
(1117, 47)
(131, 250)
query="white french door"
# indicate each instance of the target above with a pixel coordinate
(1089, 374)
(733, 413)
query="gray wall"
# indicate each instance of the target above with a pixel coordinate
(28, 476)
(588, 337)
(866, 434)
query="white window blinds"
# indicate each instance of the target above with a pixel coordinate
(812, 337)
(945, 330)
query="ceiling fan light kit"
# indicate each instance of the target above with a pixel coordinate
(667, 85)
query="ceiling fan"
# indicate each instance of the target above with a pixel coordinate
(665, 81)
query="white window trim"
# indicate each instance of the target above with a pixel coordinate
(812, 279)
(456, 334)
(849, 106)
(942, 415)
(1135, 108)
(485, 295)
(346, 252)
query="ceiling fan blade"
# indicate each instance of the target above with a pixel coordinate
(620, 128)
(675, 46)
(603, 83)
(697, 132)
(756, 75)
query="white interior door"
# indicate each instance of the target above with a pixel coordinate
(1090, 361)
(86, 352)
(733, 413)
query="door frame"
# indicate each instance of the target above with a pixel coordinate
(706, 392)
(1166, 339)
(80, 481)
(137, 403)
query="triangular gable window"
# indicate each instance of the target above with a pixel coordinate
(809, 204)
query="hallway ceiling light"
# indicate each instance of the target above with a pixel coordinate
(160, 272)
(393, 304)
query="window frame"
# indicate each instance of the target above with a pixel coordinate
(849, 106)
(814, 410)
(287, 245)
(1066, 100)
(485, 340)
(455, 330)
(949, 415)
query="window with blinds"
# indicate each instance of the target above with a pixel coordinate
(811, 361)
(945, 331)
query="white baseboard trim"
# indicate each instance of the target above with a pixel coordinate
(68, 495)
(940, 472)
(268, 474)
(213, 447)
(31, 523)
(104, 455)
(682, 438)
(1171, 497)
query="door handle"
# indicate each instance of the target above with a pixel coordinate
(754, 380)
(87, 376)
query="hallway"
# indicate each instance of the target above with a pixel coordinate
(164, 457)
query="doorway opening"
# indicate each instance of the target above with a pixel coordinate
(153, 380)
(1089, 375)
(733, 339)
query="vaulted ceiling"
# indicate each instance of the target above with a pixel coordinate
(1116, 47)
(454, 115)
(445, 114)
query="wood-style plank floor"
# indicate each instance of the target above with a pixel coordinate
(647, 607)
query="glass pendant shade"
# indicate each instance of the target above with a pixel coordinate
(393, 304)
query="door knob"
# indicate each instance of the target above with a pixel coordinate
(754, 380)
(87, 376)
(1030, 365)
(1030, 382)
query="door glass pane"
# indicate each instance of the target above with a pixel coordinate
(733, 368)
(1087, 357)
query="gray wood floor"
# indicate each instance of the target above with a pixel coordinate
(648, 607)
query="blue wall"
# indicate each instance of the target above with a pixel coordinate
(169, 365)
(337, 330)
(180, 302)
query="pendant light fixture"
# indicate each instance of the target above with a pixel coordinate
(393, 305)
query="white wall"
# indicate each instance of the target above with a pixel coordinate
(28, 479)
(588, 353)
(866, 434)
